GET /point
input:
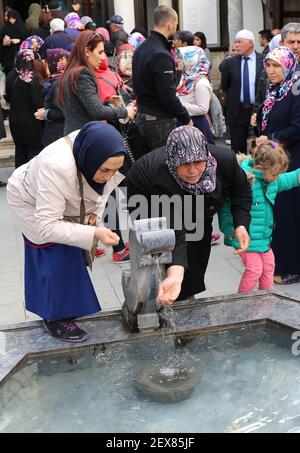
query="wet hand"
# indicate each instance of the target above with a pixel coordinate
(243, 237)
(107, 237)
(169, 291)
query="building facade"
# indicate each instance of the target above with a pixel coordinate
(218, 19)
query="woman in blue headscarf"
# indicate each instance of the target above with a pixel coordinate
(56, 199)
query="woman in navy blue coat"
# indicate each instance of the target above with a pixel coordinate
(279, 120)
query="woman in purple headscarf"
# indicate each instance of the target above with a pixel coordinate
(201, 177)
(279, 120)
(51, 114)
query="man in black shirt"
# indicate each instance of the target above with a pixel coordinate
(154, 82)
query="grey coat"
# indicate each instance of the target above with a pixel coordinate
(86, 106)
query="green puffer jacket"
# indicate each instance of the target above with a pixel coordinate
(262, 212)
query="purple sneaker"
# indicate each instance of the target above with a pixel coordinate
(65, 330)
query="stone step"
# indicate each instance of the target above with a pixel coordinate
(7, 149)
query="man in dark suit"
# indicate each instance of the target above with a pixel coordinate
(240, 75)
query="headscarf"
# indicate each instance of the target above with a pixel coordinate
(136, 39)
(185, 145)
(72, 20)
(34, 12)
(25, 65)
(16, 30)
(275, 43)
(277, 92)
(94, 145)
(57, 60)
(86, 20)
(196, 65)
(102, 31)
(34, 43)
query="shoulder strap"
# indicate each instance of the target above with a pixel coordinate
(117, 87)
(79, 176)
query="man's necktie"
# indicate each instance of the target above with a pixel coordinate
(246, 82)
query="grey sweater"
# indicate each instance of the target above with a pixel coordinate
(86, 106)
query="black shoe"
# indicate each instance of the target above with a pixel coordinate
(3, 184)
(65, 330)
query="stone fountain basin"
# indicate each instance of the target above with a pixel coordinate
(23, 342)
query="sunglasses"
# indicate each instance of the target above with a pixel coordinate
(93, 36)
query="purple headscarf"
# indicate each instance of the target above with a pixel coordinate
(25, 65)
(136, 39)
(186, 145)
(34, 43)
(72, 20)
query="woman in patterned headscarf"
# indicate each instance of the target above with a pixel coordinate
(279, 120)
(194, 88)
(25, 95)
(51, 114)
(200, 177)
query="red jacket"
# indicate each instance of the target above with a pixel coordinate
(109, 82)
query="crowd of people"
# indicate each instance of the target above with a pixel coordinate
(77, 91)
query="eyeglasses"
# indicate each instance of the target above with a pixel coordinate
(94, 36)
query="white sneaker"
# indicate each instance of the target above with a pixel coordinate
(228, 142)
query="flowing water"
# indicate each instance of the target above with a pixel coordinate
(249, 382)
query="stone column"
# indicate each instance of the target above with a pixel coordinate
(235, 18)
(125, 8)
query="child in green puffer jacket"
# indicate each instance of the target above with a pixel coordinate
(266, 171)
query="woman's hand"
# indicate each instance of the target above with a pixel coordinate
(39, 114)
(262, 140)
(131, 112)
(116, 101)
(170, 288)
(254, 120)
(107, 237)
(93, 220)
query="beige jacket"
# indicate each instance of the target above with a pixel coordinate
(44, 196)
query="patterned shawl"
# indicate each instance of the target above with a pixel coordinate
(277, 92)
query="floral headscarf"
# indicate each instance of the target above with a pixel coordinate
(72, 20)
(25, 65)
(57, 60)
(185, 145)
(196, 65)
(277, 92)
(136, 39)
(34, 43)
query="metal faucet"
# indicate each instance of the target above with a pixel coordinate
(151, 245)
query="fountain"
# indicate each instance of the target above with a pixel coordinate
(235, 352)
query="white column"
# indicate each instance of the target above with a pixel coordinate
(254, 19)
(165, 2)
(125, 8)
(235, 18)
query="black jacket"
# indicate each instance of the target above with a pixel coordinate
(55, 120)
(231, 84)
(150, 176)
(154, 80)
(25, 99)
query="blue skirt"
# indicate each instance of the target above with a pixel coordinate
(57, 283)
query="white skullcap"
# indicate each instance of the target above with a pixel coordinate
(275, 43)
(56, 25)
(245, 34)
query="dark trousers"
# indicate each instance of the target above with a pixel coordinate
(239, 132)
(121, 246)
(155, 133)
(24, 153)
